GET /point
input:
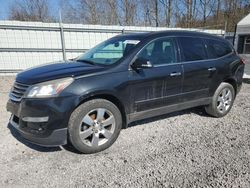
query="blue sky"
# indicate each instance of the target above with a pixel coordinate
(5, 4)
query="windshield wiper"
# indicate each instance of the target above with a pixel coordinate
(86, 61)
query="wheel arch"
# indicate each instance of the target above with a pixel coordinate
(110, 98)
(233, 82)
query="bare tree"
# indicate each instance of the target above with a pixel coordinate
(91, 11)
(218, 9)
(128, 11)
(168, 13)
(145, 18)
(152, 8)
(189, 7)
(156, 14)
(168, 9)
(113, 15)
(30, 10)
(207, 6)
(180, 13)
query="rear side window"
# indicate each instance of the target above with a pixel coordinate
(216, 48)
(193, 49)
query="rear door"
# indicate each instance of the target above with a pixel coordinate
(223, 56)
(159, 85)
(198, 70)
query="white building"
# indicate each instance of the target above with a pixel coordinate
(242, 40)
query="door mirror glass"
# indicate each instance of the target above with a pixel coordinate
(141, 63)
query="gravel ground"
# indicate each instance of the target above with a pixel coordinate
(183, 149)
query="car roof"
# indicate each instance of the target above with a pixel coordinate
(155, 34)
(133, 35)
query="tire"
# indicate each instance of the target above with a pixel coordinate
(94, 126)
(222, 101)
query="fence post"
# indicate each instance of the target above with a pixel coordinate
(62, 38)
(225, 29)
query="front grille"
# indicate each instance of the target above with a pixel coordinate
(17, 91)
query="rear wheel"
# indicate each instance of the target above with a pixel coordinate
(222, 100)
(94, 126)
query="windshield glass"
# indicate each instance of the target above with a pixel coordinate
(109, 51)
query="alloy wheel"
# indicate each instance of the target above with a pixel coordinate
(97, 127)
(224, 100)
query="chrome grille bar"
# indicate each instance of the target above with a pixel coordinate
(18, 91)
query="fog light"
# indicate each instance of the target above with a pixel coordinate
(36, 119)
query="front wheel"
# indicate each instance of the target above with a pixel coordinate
(94, 126)
(222, 100)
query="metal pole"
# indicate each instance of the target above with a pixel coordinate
(62, 36)
(235, 31)
(225, 29)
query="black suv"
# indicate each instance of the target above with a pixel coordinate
(88, 100)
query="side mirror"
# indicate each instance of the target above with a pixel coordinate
(141, 63)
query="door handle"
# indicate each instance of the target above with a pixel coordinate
(175, 74)
(212, 69)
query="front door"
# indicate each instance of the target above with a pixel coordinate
(160, 85)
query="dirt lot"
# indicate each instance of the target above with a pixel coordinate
(183, 149)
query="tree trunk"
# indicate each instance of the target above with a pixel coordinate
(156, 14)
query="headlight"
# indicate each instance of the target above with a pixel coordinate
(48, 89)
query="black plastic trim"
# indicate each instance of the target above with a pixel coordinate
(167, 109)
(56, 138)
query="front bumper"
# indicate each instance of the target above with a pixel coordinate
(56, 138)
(42, 121)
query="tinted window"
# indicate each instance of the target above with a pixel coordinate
(114, 50)
(217, 48)
(110, 51)
(193, 49)
(160, 51)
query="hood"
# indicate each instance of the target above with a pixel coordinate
(55, 71)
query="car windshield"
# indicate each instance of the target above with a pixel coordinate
(109, 51)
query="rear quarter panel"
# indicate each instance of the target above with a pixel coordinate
(228, 67)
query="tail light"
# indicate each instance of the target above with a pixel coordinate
(242, 61)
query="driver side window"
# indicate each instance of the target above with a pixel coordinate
(160, 51)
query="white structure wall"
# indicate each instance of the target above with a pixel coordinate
(27, 44)
(242, 37)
